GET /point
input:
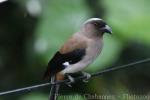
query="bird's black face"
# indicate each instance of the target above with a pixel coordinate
(101, 26)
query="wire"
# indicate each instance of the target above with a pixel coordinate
(78, 78)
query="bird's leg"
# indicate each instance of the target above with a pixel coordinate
(71, 80)
(87, 75)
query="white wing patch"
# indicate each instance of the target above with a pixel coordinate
(1, 1)
(66, 64)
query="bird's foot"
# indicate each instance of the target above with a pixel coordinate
(71, 80)
(87, 77)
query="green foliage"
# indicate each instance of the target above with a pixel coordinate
(34, 96)
(130, 18)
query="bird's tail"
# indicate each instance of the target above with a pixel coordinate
(54, 89)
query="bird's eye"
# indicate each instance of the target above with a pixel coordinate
(96, 24)
(100, 24)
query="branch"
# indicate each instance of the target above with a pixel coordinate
(30, 88)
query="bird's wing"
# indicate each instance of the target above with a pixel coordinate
(71, 52)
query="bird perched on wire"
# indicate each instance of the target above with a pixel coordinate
(77, 53)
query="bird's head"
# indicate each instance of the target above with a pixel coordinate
(96, 26)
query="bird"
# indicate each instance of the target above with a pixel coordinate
(79, 51)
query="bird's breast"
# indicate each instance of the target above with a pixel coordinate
(93, 50)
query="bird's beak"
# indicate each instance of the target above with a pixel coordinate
(107, 29)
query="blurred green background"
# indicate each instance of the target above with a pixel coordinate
(31, 31)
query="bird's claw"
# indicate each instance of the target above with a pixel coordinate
(87, 77)
(71, 80)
